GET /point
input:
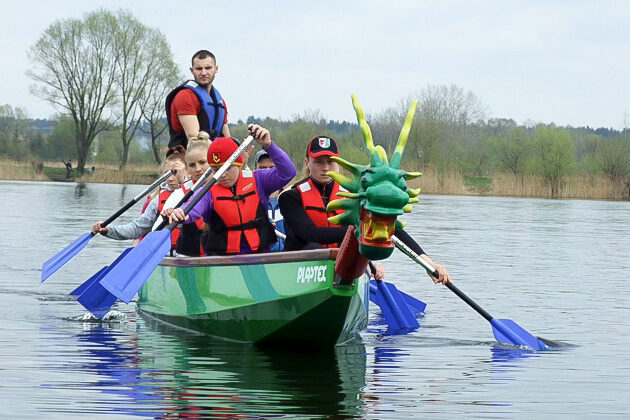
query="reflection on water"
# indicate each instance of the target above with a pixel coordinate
(80, 190)
(158, 371)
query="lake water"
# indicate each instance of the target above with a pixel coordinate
(560, 269)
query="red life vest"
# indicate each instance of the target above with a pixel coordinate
(238, 214)
(162, 197)
(314, 205)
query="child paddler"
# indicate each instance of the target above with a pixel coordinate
(143, 224)
(235, 208)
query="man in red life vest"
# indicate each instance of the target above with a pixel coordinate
(197, 105)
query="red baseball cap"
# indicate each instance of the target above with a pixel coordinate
(220, 151)
(322, 146)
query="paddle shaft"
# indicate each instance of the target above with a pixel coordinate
(215, 178)
(431, 270)
(185, 198)
(137, 198)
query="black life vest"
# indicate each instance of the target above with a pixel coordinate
(235, 215)
(211, 115)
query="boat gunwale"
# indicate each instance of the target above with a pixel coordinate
(250, 259)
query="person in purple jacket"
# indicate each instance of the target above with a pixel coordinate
(235, 208)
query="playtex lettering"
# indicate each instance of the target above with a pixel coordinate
(315, 274)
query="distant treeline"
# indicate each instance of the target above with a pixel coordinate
(449, 135)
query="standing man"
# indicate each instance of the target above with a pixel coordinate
(197, 105)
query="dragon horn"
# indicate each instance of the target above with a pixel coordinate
(382, 154)
(367, 133)
(404, 135)
(343, 180)
(412, 175)
(413, 192)
(337, 219)
(349, 166)
(340, 204)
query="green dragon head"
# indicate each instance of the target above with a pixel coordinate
(377, 193)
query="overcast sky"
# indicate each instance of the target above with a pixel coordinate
(566, 62)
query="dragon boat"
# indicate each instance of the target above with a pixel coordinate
(259, 298)
(319, 297)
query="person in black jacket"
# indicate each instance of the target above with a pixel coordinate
(303, 206)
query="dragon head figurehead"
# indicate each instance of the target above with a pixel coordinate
(376, 193)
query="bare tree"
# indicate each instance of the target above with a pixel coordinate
(75, 72)
(142, 53)
(385, 126)
(160, 83)
(451, 105)
(439, 130)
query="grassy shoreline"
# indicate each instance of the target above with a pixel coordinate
(56, 171)
(452, 183)
(501, 184)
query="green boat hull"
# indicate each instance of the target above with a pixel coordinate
(262, 299)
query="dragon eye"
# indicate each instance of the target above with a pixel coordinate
(363, 180)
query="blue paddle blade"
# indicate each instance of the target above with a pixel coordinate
(397, 314)
(98, 276)
(83, 286)
(509, 332)
(96, 299)
(60, 258)
(415, 305)
(93, 296)
(127, 277)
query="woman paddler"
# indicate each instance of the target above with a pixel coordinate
(235, 208)
(303, 207)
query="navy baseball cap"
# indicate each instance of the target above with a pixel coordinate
(322, 146)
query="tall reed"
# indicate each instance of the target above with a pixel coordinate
(433, 181)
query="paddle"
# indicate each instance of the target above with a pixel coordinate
(54, 263)
(129, 274)
(92, 295)
(504, 330)
(415, 305)
(399, 312)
